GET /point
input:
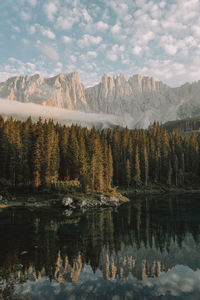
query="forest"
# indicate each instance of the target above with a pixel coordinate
(44, 155)
(184, 126)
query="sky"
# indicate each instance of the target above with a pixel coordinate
(151, 38)
(180, 282)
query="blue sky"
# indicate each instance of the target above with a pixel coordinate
(153, 38)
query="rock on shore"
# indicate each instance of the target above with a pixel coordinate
(102, 201)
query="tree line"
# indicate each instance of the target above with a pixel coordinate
(43, 154)
(184, 125)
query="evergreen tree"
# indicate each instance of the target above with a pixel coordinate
(110, 167)
(42, 153)
(73, 154)
(136, 168)
(128, 173)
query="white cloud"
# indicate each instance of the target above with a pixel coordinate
(196, 30)
(88, 40)
(32, 29)
(118, 48)
(33, 2)
(162, 4)
(49, 50)
(105, 16)
(169, 71)
(119, 31)
(170, 44)
(17, 67)
(92, 54)
(125, 59)
(148, 37)
(50, 10)
(137, 50)
(101, 26)
(16, 29)
(73, 58)
(102, 47)
(66, 39)
(86, 16)
(116, 29)
(47, 32)
(112, 56)
(64, 23)
(31, 66)
(170, 49)
(89, 78)
(70, 68)
(120, 8)
(25, 16)
(116, 52)
(58, 68)
(13, 60)
(25, 41)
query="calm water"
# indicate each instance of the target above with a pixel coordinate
(146, 249)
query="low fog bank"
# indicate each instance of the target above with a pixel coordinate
(22, 111)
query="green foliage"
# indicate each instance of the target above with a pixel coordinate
(68, 186)
(5, 183)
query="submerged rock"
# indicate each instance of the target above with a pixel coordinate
(103, 200)
(67, 201)
(24, 252)
(83, 204)
(31, 200)
(67, 212)
(109, 201)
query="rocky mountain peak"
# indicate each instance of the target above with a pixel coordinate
(63, 90)
(139, 100)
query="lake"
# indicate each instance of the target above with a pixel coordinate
(146, 249)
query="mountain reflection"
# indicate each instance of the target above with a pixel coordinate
(140, 239)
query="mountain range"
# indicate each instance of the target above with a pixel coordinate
(134, 102)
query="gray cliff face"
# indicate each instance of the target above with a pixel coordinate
(138, 101)
(63, 91)
(116, 95)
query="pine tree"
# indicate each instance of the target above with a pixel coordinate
(63, 146)
(136, 168)
(37, 165)
(41, 153)
(116, 155)
(73, 154)
(84, 172)
(145, 165)
(105, 164)
(164, 155)
(128, 173)
(110, 166)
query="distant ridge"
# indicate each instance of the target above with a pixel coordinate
(139, 100)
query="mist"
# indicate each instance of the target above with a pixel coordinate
(22, 111)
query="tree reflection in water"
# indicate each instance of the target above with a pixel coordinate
(141, 239)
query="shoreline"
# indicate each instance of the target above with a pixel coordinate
(70, 201)
(78, 200)
(158, 190)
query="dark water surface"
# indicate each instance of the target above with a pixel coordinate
(146, 249)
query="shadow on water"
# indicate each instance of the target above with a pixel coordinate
(146, 249)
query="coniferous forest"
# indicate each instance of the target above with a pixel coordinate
(47, 155)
